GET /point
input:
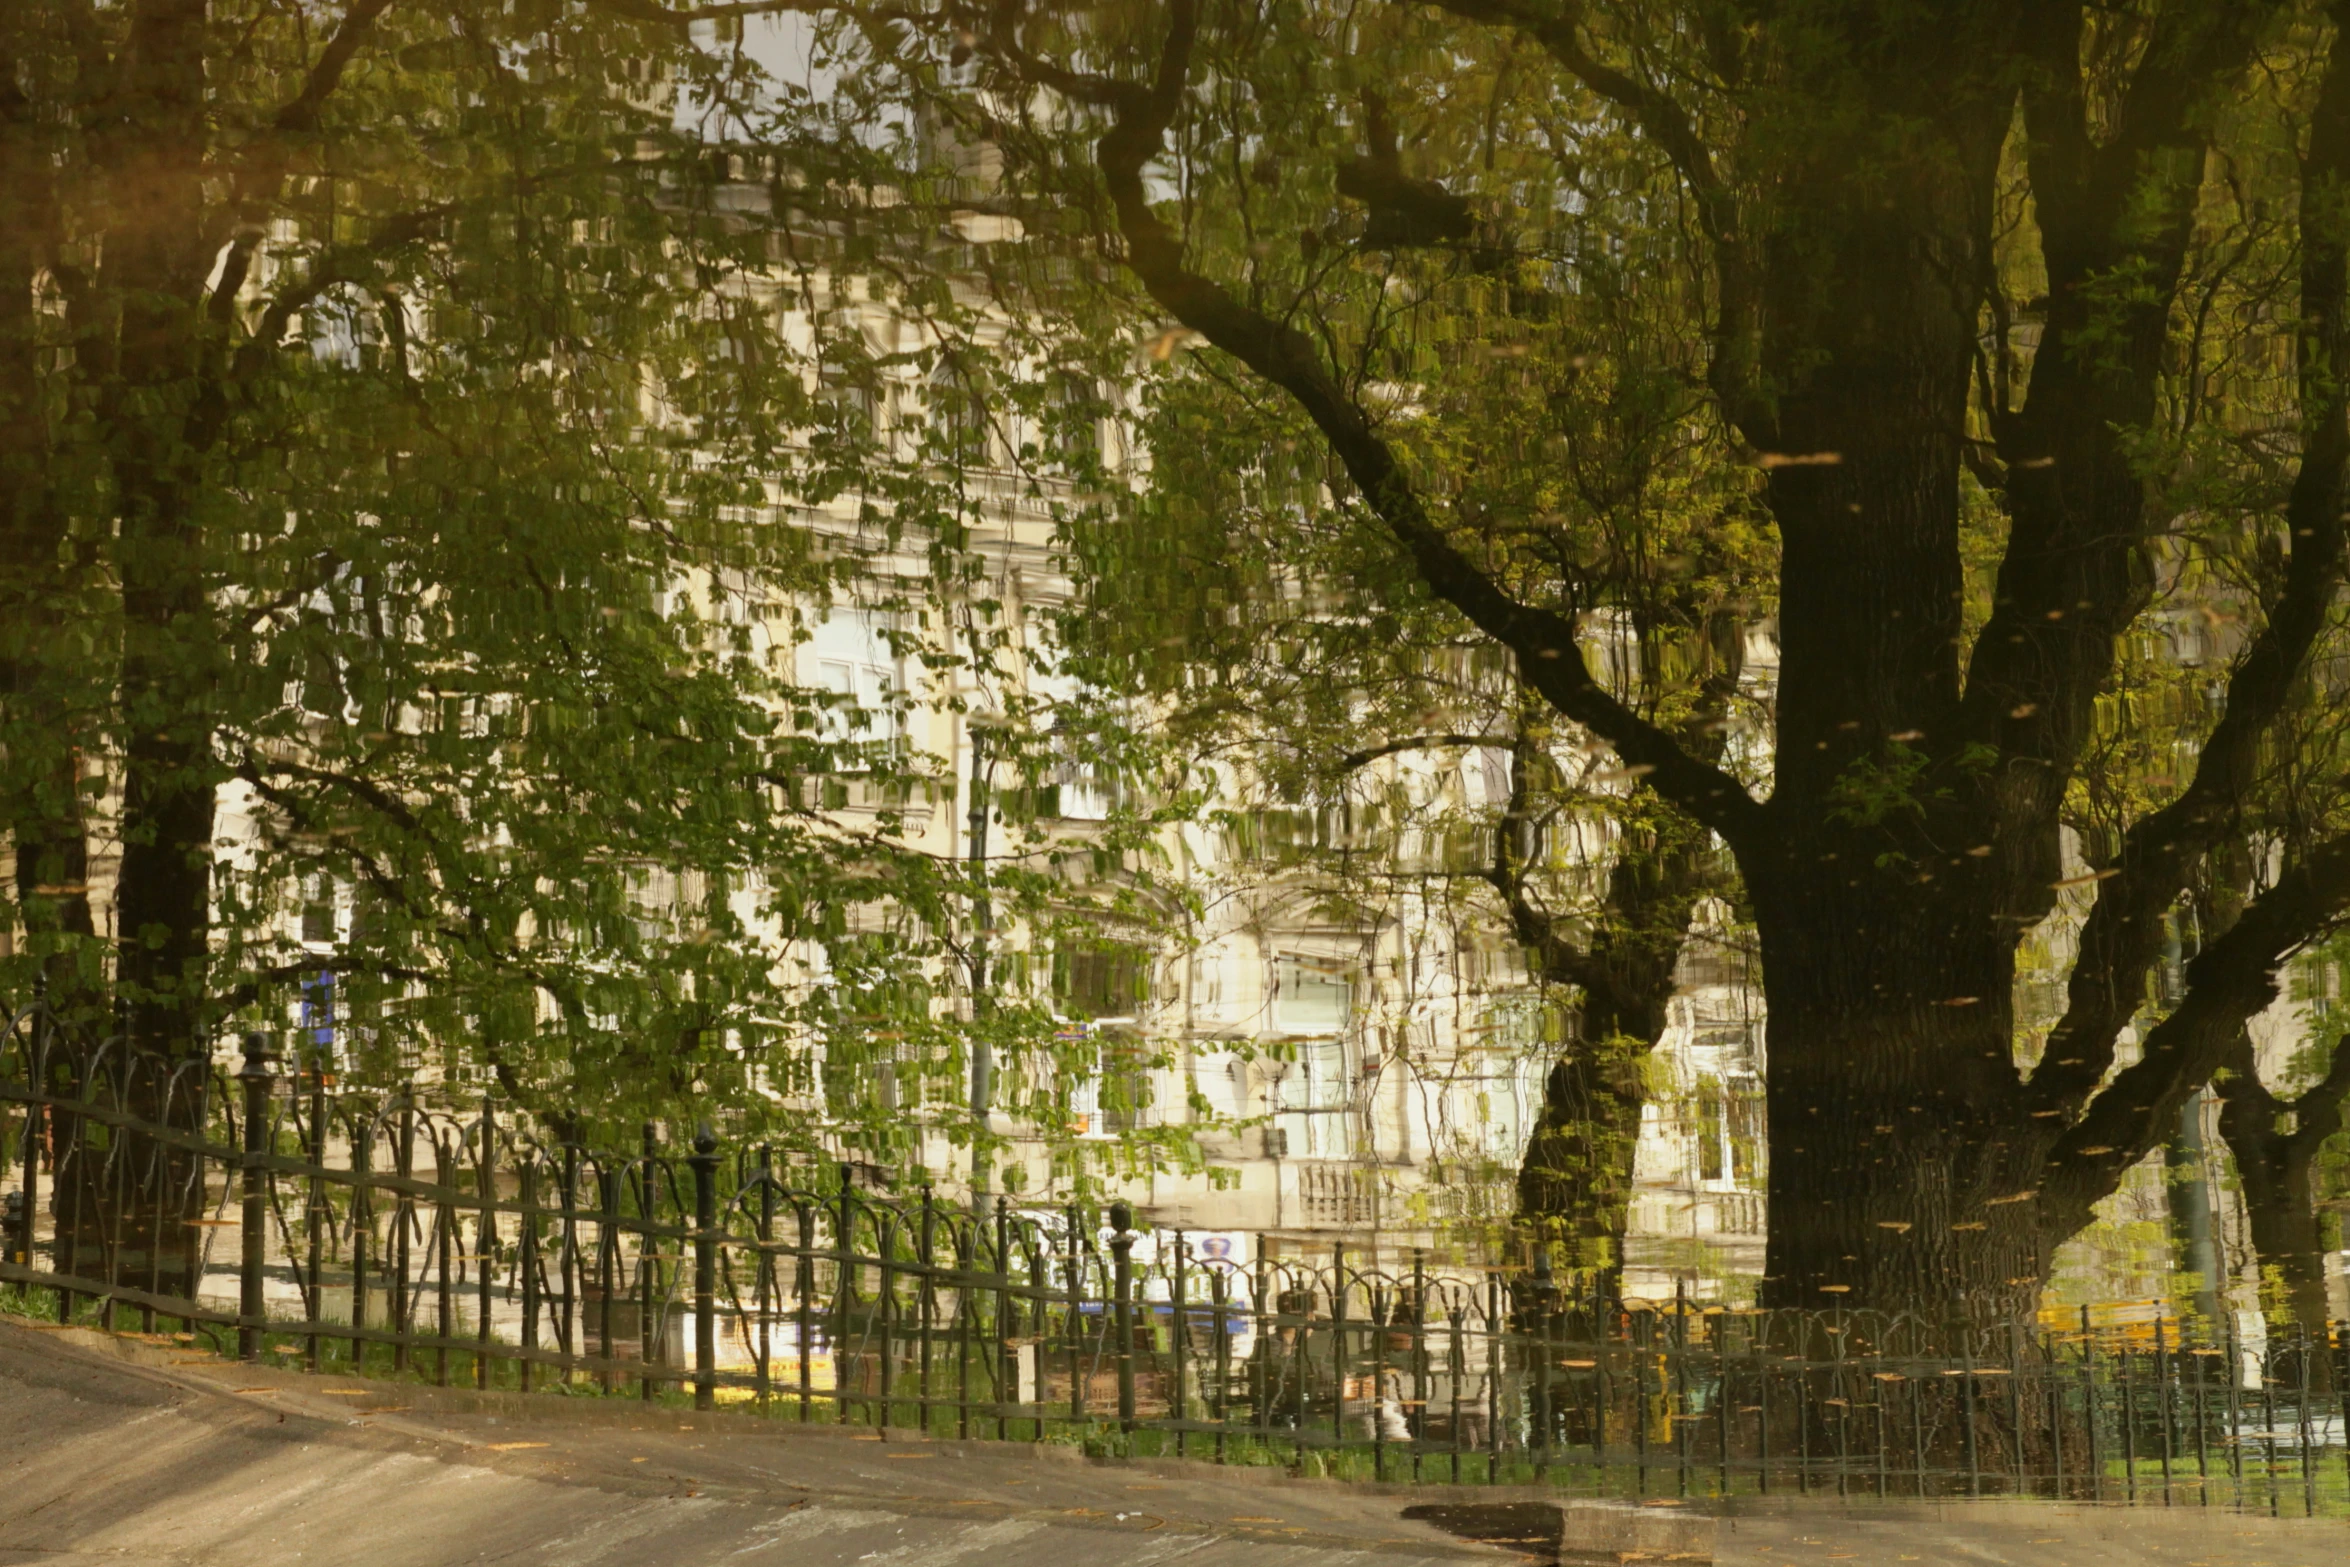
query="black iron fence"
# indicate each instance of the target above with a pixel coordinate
(275, 1215)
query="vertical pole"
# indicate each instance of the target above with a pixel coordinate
(764, 1343)
(968, 1242)
(982, 917)
(1538, 1356)
(1077, 1389)
(1179, 1403)
(804, 1311)
(314, 1207)
(1603, 1321)
(256, 1079)
(2301, 1420)
(844, 1294)
(444, 1230)
(1260, 1379)
(1007, 1356)
(1416, 1413)
(1722, 1400)
(650, 1335)
(485, 1236)
(362, 1231)
(925, 1305)
(403, 1221)
(2162, 1384)
(36, 1117)
(569, 1329)
(1122, 1263)
(2200, 1365)
(2234, 1444)
(526, 1257)
(1459, 1367)
(2129, 1425)
(705, 1167)
(885, 1301)
(1337, 1347)
(607, 1270)
(1219, 1297)
(1492, 1379)
(2089, 1409)
(1680, 1404)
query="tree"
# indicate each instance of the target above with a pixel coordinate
(1947, 276)
(2277, 1142)
(425, 443)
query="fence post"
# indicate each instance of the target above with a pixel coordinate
(1121, 1250)
(705, 1167)
(485, 1241)
(257, 1080)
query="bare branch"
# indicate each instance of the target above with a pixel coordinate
(1370, 754)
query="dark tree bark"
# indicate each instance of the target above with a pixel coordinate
(2276, 1143)
(152, 403)
(42, 809)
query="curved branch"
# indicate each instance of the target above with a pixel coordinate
(1369, 754)
(1546, 643)
(2317, 1109)
(2229, 982)
(1665, 122)
(2124, 930)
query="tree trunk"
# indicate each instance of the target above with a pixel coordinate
(1576, 1177)
(1900, 1170)
(2288, 1237)
(1575, 1180)
(160, 409)
(2276, 1166)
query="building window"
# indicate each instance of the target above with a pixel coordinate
(850, 658)
(1101, 980)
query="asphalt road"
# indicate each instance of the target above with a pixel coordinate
(125, 1452)
(115, 1451)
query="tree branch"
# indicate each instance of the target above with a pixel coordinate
(2116, 223)
(1545, 642)
(2160, 852)
(2317, 1109)
(1369, 754)
(2228, 982)
(1560, 960)
(1667, 124)
(300, 114)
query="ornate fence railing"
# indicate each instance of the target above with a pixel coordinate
(276, 1215)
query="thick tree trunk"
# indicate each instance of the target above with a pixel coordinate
(2276, 1166)
(1900, 1170)
(145, 357)
(2288, 1237)
(160, 410)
